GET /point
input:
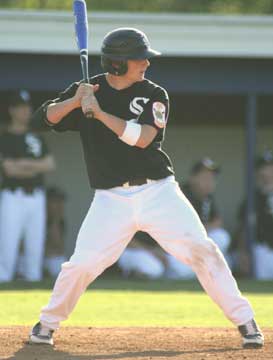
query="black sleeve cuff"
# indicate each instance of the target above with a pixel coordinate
(39, 119)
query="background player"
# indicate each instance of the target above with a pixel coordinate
(263, 247)
(200, 191)
(135, 185)
(142, 258)
(24, 160)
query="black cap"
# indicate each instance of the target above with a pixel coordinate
(205, 164)
(20, 97)
(264, 159)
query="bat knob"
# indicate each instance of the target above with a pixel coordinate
(89, 114)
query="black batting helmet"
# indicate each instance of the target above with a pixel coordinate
(121, 45)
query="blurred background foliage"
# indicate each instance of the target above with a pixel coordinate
(183, 6)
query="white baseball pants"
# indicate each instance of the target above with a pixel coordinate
(22, 216)
(263, 259)
(178, 270)
(162, 210)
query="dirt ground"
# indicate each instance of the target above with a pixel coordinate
(133, 343)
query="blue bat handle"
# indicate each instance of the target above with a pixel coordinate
(81, 24)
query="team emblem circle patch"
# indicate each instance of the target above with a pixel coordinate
(159, 113)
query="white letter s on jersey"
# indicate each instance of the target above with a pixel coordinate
(135, 107)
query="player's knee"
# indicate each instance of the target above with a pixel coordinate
(221, 237)
(155, 271)
(89, 263)
(206, 252)
(80, 270)
(77, 272)
(79, 267)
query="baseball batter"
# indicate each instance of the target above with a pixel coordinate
(135, 185)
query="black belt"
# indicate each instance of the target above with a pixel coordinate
(137, 182)
(29, 189)
(26, 189)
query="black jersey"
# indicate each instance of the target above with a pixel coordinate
(18, 146)
(205, 208)
(264, 217)
(264, 210)
(111, 162)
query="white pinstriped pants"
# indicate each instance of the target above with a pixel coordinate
(22, 216)
(161, 209)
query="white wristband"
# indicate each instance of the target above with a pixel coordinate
(131, 133)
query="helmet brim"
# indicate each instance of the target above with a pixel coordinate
(138, 55)
(146, 54)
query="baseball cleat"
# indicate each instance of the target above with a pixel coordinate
(41, 335)
(251, 335)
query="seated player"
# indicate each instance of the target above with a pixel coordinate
(263, 247)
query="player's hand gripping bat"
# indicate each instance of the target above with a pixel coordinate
(81, 31)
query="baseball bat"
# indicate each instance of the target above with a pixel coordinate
(81, 31)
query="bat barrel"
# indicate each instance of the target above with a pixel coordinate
(81, 24)
(81, 30)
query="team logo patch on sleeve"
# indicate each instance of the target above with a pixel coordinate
(159, 113)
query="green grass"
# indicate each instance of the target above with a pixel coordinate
(114, 302)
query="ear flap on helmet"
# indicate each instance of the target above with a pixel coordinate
(115, 67)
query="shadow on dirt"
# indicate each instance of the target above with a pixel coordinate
(44, 352)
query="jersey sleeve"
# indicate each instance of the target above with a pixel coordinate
(39, 119)
(156, 112)
(45, 149)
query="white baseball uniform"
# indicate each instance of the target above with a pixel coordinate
(135, 191)
(22, 210)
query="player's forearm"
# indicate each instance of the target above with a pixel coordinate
(44, 165)
(20, 174)
(11, 169)
(117, 125)
(57, 111)
(38, 166)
